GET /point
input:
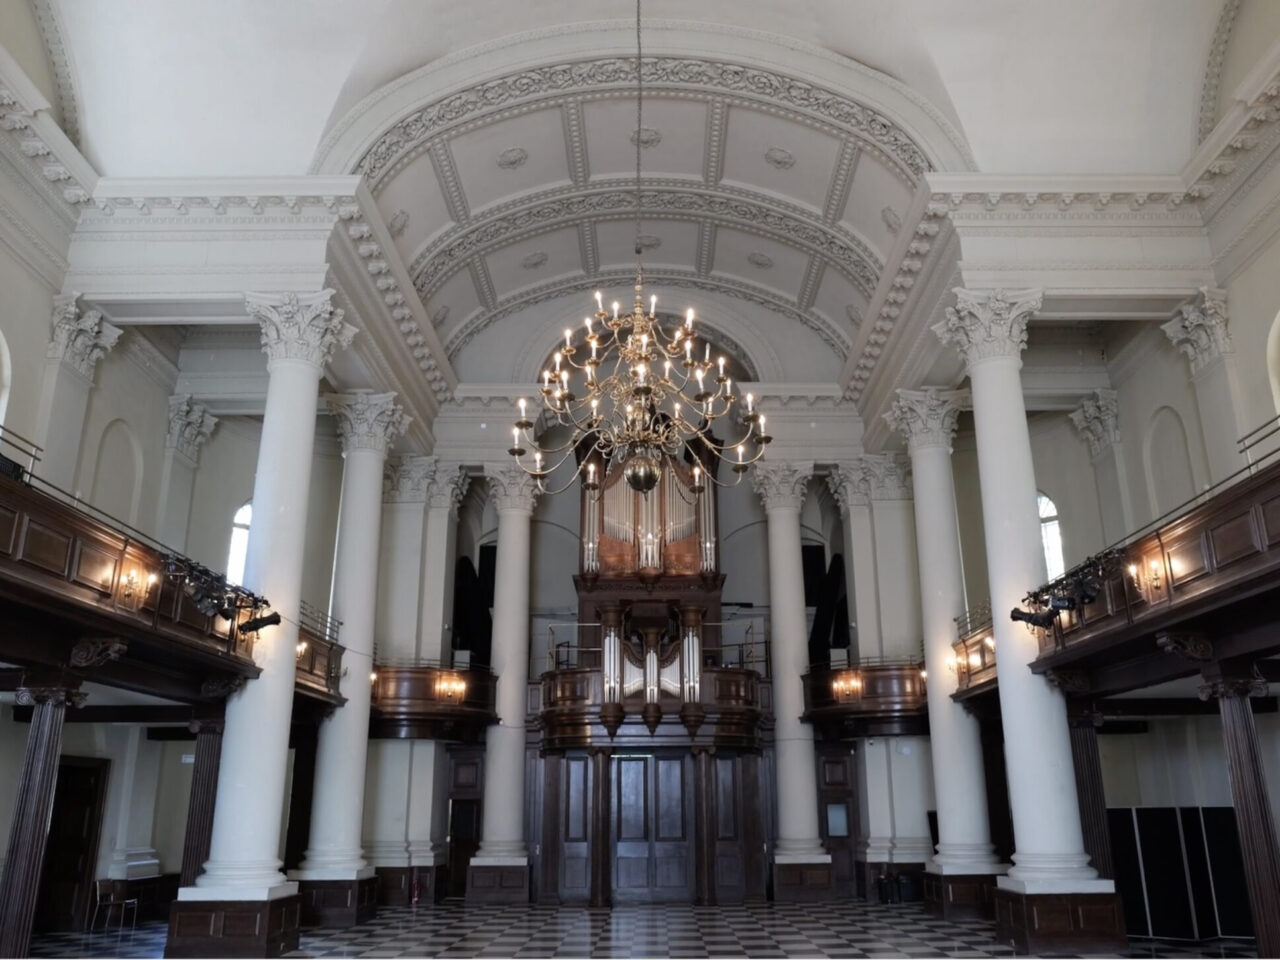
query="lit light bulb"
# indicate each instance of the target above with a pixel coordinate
(666, 369)
(706, 358)
(688, 350)
(688, 319)
(589, 326)
(591, 473)
(697, 473)
(739, 453)
(599, 301)
(593, 348)
(750, 400)
(515, 436)
(595, 407)
(568, 339)
(546, 378)
(615, 309)
(722, 366)
(520, 403)
(698, 373)
(557, 359)
(677, 411)
(762, 424)
(640, 373)
(653, 306)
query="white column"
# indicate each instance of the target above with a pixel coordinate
(439, 539)
(1097, 420)
(909, 771)
(875, 801)
(189, 427)
(139, 772)
(502, 829)
(928, 420)
(299, 334)
(367, 423)
(404, 500)
(1199, 330)
(79, 341)
(851, 485)
(990, 331)
(782, 488)
(426, 825)
(386, 802)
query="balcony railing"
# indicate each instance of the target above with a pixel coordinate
(878, 696)
(429, 700)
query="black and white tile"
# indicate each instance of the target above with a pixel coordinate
(845, 929)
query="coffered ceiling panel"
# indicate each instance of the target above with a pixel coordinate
(760, 261)
(414, 206)
(839, 301)
(674, 137)
(499, 160)
(789, 159)
(534, 261)
(454, 302)
(676, 243)
(877, 202)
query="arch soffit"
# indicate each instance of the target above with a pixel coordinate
(840, 86)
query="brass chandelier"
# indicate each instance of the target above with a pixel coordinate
(634, 394)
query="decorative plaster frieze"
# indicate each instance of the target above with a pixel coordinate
(988, 325)
(781, 486)
(915, 259)
(155, 211)
(407, 479)
(838, 190)
(367, 421)
(50, 22)
(663, 199)
(299, 326)
(927, 418)
(61, 176)
(1097, 420)
(713, 145)
(510, 488)
(190, 425)
(1129, 200)
(1213, 68)
(575, 141)
(1199, 328)
(421, 345)
(448, 488)
(677, 74)
(80, 338)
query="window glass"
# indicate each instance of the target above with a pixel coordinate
(837, 820)
(239, 544)
(1051, 537)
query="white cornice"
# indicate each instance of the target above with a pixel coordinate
(64, 73)
(148, 359)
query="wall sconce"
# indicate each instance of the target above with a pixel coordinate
(924, 674)
(373, 677)
(1155, 574)
(450, 686)
(302, 647)
(131, 583)
(846, 685)
(990, 642)
(975, 660)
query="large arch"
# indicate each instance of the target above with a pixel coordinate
(118, 472)
(1166, 456)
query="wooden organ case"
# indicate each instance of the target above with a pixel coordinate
(653, 740)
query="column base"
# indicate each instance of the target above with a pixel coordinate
(802, 880)
(338, 903)
(960, 896)
(1060, 922)
(498, 880)
(406, 886)
(233, 928)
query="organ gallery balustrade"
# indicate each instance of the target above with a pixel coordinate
(877, 697)
(974, 657)
(427, 700)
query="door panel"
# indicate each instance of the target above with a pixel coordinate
(575, 847)
(66, 879)
(652, 829)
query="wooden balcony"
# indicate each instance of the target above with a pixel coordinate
(974, 659)
(1201, 586)
(319, 666)
(875, 698)
(432, 702)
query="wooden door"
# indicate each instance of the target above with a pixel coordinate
(464, 841)
(70, 856)
(837, 809)
(652, 829)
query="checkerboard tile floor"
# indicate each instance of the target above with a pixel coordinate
(847, 929)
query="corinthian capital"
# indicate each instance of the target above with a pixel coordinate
(985, 325)
(189, 426)
(1199, 329)
(927, 418)
(510, 487)
(367, 421)
(850, 484)
(407, 479)
(80, 338)
(781, 485)
(448, 487)
(299, 326)
(1096, 419)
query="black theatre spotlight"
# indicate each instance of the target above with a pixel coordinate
(257, 623)
(1042, 618)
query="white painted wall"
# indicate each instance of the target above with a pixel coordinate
(25, 325)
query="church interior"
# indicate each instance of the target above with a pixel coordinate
(583, 478)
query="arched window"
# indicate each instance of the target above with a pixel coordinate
(239, 544)
(1051, 536)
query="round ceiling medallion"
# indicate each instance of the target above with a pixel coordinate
(779, 158)
(646, 137)
(761, 260)
(512, 158)
(534, 260)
